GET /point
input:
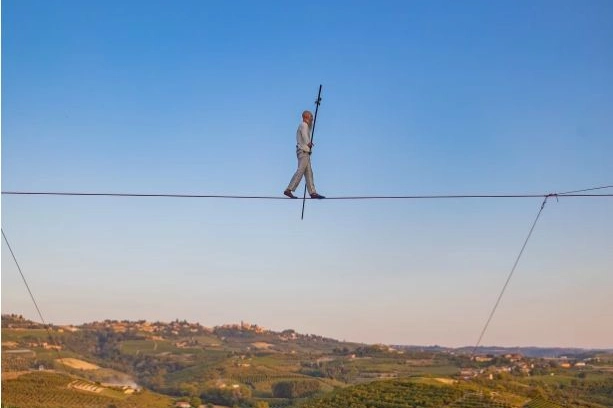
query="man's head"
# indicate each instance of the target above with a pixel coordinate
(307, 117)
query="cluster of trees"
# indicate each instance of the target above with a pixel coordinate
(240, 395)
(18, 321)
(295, 388)
(105, 347)
(335, 370)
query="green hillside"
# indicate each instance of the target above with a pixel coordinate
(420, 393)
(51, 390)
(387, 394)
(241, 365)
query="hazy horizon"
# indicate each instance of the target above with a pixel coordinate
(279, 330)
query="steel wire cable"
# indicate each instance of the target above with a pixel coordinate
(40, 314)
(256, 197)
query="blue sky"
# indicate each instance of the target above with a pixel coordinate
(203, 97)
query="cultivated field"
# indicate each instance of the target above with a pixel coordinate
(78, 364)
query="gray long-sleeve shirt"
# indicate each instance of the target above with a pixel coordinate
(303, 137)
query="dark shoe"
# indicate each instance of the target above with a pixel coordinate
(315, 195)
(289, 194)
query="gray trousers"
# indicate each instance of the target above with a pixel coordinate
(304, 168)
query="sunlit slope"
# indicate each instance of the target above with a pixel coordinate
(53, 390)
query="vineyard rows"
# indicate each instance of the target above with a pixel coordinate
(251, 379)
(85, 386)
(539, 403)
(48, 391)
(478, 400)
(389, 394)
(405, 394)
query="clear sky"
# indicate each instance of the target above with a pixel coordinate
(419, 97)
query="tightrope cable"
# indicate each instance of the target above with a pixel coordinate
(585, 189)
(573, 193)
(42, 319)
(257, 197)
(504, 287)
(40, 314)
(567, 194)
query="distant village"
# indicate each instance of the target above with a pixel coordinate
(489, 365)
(518, 364)
(174, 328)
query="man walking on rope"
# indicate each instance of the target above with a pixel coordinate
(303, 151)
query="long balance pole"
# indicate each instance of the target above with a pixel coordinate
(317, 102)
